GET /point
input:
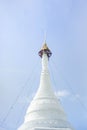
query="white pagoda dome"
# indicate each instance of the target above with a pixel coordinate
(45, 111)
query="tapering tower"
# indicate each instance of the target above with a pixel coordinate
(45, 111)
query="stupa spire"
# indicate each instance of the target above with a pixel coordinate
(45, 111)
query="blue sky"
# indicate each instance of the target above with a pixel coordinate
(22, 27)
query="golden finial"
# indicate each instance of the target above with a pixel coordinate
(45, 47)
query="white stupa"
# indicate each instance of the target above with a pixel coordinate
(45, 111)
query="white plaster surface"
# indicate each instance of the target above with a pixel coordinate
(45, 111)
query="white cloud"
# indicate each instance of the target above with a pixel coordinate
(65, 93)
(62, 93)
